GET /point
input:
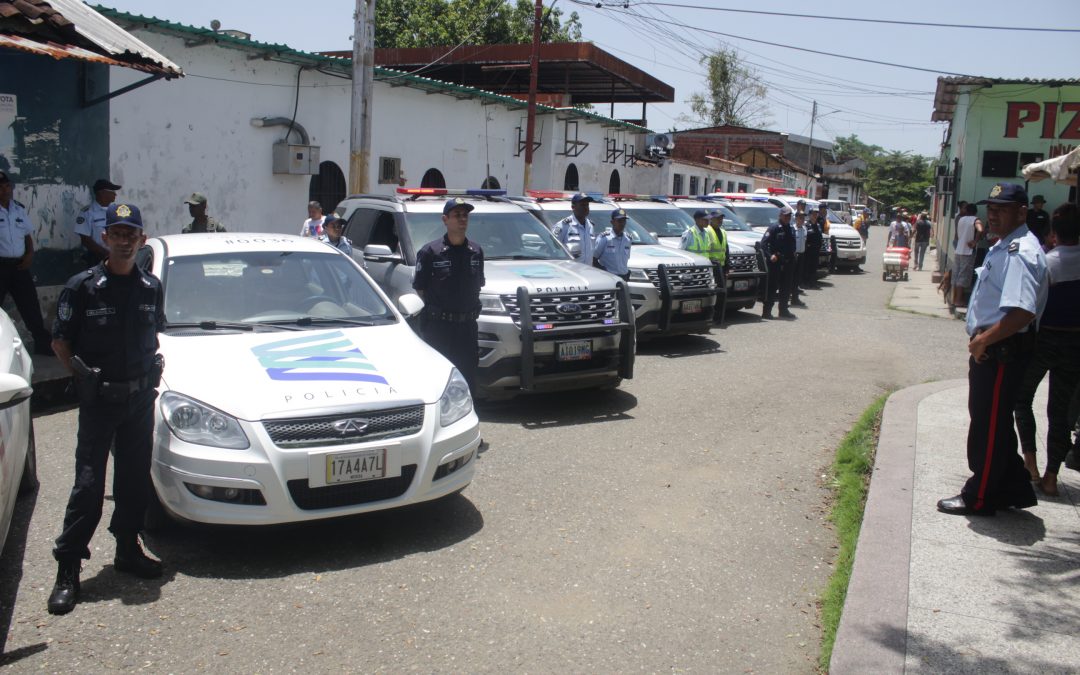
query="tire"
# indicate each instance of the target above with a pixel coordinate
(29, 481)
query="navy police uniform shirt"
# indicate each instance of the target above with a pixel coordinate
(779, 239)
(1038, 222)
(613, 252)
(91, 222)
(450, 276)
(1013, 276)
(15, 224)
(112, 320)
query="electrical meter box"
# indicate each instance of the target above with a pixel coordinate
(296, 159)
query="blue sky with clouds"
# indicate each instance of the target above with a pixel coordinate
(884, 105)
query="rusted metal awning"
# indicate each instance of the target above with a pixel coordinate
(70, 29)
(581, 70)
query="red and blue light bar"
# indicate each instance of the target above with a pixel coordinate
(452, 192)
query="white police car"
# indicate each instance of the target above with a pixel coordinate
(293, 389)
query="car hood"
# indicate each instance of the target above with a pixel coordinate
(648, 256)
(281, 373)
(544, 276)
(843, 230)
(744, 238)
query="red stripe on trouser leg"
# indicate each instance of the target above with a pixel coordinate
(990, 437)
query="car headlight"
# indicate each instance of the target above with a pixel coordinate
(456, 401)
(638, 275)
(196, 422)
(492, 304)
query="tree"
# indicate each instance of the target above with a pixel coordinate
(735, 94)
(899, 179)
(445, 23)
(847, 147)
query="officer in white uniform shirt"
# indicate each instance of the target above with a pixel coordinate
(612, 251)
(577, 229)
(16, 257)
(90, 223)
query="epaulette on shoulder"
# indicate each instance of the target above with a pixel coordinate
(1014, 247)
(84, 209)
(79, 278)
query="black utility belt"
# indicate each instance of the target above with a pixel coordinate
(9, 262)
(452, 317)
(1012, 347)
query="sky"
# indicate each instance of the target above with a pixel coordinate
(884, 105)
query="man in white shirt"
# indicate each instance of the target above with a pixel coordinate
(968, 230)
(577, 229)
(16, 258)
(90, 223)
(313, 226)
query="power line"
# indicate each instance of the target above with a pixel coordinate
(854, 19)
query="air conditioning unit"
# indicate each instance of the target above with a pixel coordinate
(659, 145)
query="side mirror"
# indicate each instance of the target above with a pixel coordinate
(13, 390)
(410, 304)
(380, 253)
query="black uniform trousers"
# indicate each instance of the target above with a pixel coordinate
(1056, 352)
(20, 283)
(131, 423)
(781, 277)
(998, 479)
(456, 340)
(809, 263)
(797, 278)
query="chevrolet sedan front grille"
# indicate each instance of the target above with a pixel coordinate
(342, 429)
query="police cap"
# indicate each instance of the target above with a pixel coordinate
(455, 203)
(701, 213)
(618, 214)
(196, 198)
(1007, 193)
(786, 210)
(4, 180)
(580, 197)
(123, 214)
(105, 184)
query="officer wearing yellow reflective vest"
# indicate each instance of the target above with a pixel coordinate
(707, 238)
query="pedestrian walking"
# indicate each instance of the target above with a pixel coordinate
(814, 239)
(90, 223)
(899, 233)
(577, 229)
(800, 257)
(106, 333)
(1006, 303)
(778, 244)
(1038, 220)
(449, 275)
(968, 228)
(316, 221)
(923, 227)
(16, 257)
(1057, 352)
(200, 222)
(612, 250)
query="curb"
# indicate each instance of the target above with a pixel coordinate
(872, 636)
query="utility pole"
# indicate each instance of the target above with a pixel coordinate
(534, 73)
(810, 152)
(363, 73)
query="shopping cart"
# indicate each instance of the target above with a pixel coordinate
(894, 263)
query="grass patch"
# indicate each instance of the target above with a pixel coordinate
(849, 479)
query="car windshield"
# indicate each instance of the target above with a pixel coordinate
(761, 214)
(507, 235)
(602, 219)
(670, 221)
(732, 221)
(266, 286)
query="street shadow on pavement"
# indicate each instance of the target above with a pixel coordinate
(350, 542)
(11, 572)
(1012, 527)
(680, 346)
(932, 655)
(561, 409)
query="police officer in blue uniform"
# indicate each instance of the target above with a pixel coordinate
(16, 256)
(814, 238)
(106, 332)
(90, 223)
(778, 244)
(332, 234)
(577, 229)
(612, 250)
(1008, 299)
(449, 275)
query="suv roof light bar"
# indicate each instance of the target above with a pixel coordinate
(451, 192)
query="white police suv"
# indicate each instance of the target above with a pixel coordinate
(293, 389)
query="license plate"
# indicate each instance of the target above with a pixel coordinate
(691, 306)
(742, 284)
(356, 466)
(576, 350)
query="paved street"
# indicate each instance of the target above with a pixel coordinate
(678, 523)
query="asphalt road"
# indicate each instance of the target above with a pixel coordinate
(676, 524)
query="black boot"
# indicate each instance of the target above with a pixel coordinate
(65, 592)
(131, 559)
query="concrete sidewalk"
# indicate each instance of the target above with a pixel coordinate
(919, 294)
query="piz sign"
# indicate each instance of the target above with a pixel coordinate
(1050, 113)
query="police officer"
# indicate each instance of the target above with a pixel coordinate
(107, 321)
(1038, 220)
(814, 239)
(16, 256)
(449, 275)
(200, 221)
(778, 244)
(577, 228)
(800, 258)
(701, 239)
(612, 250)
(720, 259)
(90, 223)
(332, 234)
(1008, 299)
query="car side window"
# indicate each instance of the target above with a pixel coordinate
(358, 229)
(385, 231)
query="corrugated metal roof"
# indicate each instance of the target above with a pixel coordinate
(71, 29)
(948, 90)
(343, 66)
